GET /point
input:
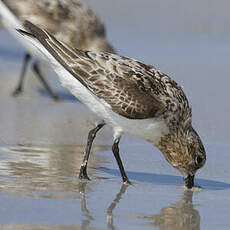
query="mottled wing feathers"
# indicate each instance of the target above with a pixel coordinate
(108, 76)
(119, 81)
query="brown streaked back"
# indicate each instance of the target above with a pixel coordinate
(131, 88)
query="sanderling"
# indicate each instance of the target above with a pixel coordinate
(72, 21)
(129, 96)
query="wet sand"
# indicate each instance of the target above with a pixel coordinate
(42, 142)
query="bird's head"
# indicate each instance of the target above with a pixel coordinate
(184, 150)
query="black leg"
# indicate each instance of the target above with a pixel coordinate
(19, 88)
(42, 79)
(91, 136)
(115, 149)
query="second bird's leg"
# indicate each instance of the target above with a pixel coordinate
(116, 154)
(19, 88)
(38, 73)
(91, 136)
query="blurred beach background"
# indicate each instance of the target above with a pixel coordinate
(42, 141)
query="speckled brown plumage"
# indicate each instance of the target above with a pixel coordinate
(133, 91)
(187, 140)
(131, 88)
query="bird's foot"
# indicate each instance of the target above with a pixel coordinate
(83, 174)
(17, 92)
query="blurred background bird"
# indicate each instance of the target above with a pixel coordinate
(71, 21)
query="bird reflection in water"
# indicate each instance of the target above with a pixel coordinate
(113, 205)
(82, 190)
(86, 222)
(179, 216)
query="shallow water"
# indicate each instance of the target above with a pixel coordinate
(39, 190)
(42, 142)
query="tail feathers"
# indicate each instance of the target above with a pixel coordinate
(25, 33)
(56, 48)
(46, 42)
(36, 31)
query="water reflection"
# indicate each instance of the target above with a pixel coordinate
(179, 216)
(86, 212)
(113, 205)
(48, 172)
(86, 221)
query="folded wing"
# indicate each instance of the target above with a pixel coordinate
(127, 86)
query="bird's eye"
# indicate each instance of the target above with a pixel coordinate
(199, 160)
